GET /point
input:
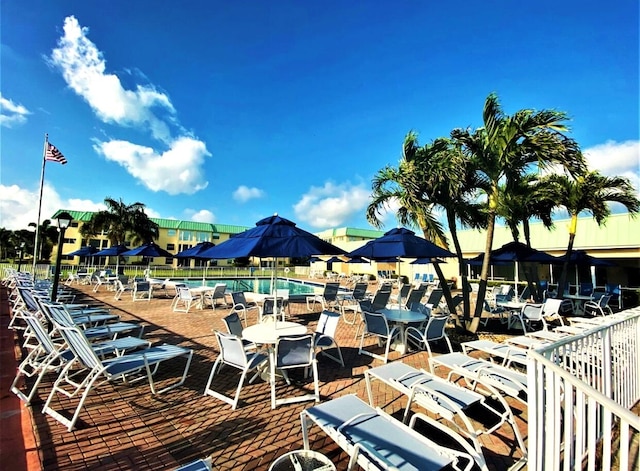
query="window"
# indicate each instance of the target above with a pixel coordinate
(168, 261)
(215, 236)
(171, 232)
(171, 246)
(186, 235)
(202, 236)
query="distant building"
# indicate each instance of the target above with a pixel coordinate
(175, 236)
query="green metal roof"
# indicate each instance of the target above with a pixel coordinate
(85, 216)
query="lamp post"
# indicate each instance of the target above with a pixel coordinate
(20, 257)
(64, 220)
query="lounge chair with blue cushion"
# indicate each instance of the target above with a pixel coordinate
(142, 364)
(445, 399)
(50, 356)
(477, 371)
(375, 440)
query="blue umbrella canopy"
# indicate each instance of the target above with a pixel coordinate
(426, 261)
(195, 251)
(150, 249)
(581, 257)
(335, 259)
(86, 251)
(515, 252)
(399, 242)
(111, 251)
(274, 236)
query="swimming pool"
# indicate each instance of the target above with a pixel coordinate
(259, 285)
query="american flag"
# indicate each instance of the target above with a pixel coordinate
(54, 154)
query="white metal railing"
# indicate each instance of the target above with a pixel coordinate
(580, 393)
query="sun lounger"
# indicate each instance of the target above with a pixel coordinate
(479, 371)
(375, 440)
(507, 353)
(444, 398)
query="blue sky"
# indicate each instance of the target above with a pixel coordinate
(228, 112)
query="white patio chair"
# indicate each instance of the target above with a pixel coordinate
(234, 326)
(121, 288)
(327, 299)
(219, 292)
(351, 301)
(598, 307)
(144, 363)
(294, 352)
(242, 306)
(142, 291)
(433, 330)
(324, 338)
(233, 353)
(184, 299)
(376, 325)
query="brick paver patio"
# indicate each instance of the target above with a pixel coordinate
(126, 427)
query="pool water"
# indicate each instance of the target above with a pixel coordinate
(259, 285)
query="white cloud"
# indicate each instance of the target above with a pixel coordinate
(19, 206)
(331, 205)
(83, 68)
(178, 170)
(616, 159)
(203, 215)
(244, 193)
(12, 113)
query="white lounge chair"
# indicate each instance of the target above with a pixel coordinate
(477, 371)
(143, 363)
(446, 399)
(375, 440)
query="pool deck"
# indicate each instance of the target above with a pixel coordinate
(125, 427)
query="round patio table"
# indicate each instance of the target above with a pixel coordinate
(402, 317)
(302, 460)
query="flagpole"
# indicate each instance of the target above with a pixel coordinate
(35, 248)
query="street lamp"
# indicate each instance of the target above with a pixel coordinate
(64, 221)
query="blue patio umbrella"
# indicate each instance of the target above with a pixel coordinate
(150, 249)
(580, 258)
(399, 242)
(195, 251)
(85, 251)
(115, 250)
(275, 237)
(335, 260)
(515, 252)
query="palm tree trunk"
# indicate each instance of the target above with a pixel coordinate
(484, 274)
(466, 297)
(565, 266)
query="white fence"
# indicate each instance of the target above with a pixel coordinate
(580, 395)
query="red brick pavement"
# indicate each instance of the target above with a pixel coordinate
(125, 427)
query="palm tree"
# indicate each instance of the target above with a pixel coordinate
(47, 238)
(525, 198)
(403, 185)
(449, 182)
(589, 193)
(504, 149)
(418, 193)
(121, 221)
